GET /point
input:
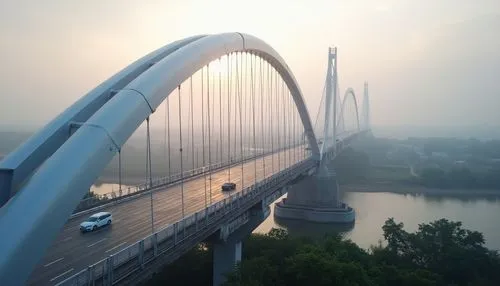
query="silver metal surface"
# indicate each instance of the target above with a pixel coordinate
(32, 153)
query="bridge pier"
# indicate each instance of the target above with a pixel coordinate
(226, 256)
(315, 199)
(227, 246)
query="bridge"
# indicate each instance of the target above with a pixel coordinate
(230, 95)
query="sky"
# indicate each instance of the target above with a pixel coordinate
(427, 62)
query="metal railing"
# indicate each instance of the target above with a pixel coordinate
(184, 234)
(101, 199)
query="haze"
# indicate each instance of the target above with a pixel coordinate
(428, 62)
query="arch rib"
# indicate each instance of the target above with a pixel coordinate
(22, 162)
(349, 92)
(36, 214)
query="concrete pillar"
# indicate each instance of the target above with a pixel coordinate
(315, 198)
(227, 252)
(318, 191)
(226, 256)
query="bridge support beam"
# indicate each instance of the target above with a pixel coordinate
(226, 256)
(227, 250)
(6, 176)
(315, 199)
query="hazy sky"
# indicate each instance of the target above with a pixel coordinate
(428, 62)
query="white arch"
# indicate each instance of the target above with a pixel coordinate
(36, 214)
(18, 165)
(349, 92)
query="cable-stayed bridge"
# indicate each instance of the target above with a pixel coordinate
(206, 110)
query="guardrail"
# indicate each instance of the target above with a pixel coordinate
(101, 199)
(181, 236)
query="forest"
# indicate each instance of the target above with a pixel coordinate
(441, 252)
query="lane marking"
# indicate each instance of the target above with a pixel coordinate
(73, 227)
(60, 275)
(111, 249)
(99, 241)
(66, 239)
(55, 261)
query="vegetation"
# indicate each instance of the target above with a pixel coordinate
(389, 173)
(89, 195)
(193, 268)
(90, 199)
(459, 177)
(438, 253)
(352, 166)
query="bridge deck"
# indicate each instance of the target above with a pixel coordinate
(73, 251)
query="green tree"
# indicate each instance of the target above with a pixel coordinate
(351, 165)
(461, 178)
(443, 247)
(437, 253)
(193, 268)
(434, 177)
(490, 179)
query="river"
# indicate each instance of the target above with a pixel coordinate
(372, 209)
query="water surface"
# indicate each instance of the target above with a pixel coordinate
(372, 209)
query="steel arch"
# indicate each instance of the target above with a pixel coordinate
(349, 92)
(34, 216)
(18, 165)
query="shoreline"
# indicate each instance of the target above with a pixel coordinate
(131, 181)
(390, 187)
(375, 187)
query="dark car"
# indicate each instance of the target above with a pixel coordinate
(228, 186)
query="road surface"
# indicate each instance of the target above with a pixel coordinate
(73, 251)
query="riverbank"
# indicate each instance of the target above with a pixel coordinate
(372, 187)
(130, 181)
(400, 188)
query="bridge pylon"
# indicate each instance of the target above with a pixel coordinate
(316, 197)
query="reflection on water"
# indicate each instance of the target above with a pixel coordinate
(311, 229)
(302, 228)
(372, 209)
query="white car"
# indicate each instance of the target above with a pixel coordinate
(95, 221)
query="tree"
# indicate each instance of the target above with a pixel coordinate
(443, 247)
(433, 177)
(351, 165)
(438, 253)
(193, 268)
(461, 178)
(491, 179)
